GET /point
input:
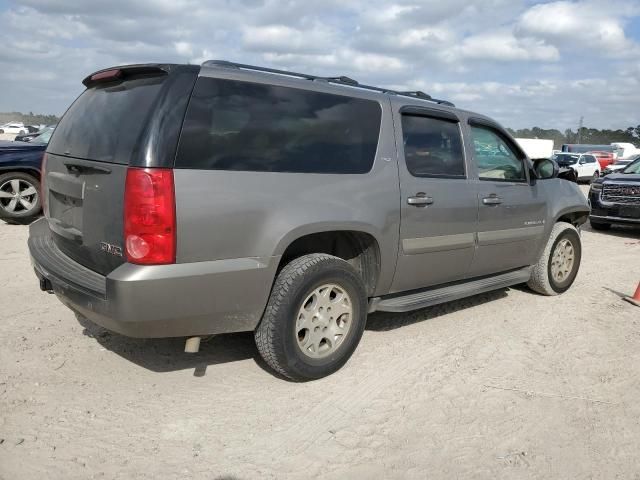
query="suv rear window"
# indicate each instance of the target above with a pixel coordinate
(232, 125)
(106, 121)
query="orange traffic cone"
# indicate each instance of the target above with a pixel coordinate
(636, 297)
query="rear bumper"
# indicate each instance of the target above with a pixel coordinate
(186, 299)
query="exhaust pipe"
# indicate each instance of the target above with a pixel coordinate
(192, 345)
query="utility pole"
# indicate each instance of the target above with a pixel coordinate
(580, 130)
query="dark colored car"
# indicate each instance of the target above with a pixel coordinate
(27, 137)
(615, 199)
(20, 166)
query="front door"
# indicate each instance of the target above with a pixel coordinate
(511, 211)
(438, 205)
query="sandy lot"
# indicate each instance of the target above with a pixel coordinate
(503, 385)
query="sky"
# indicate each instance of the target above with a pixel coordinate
(522, 62)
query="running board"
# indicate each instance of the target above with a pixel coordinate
(427, 298)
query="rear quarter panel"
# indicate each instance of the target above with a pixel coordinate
(232, 214)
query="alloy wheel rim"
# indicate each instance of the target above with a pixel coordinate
(324, 320)
(562, 260)
(18, 196)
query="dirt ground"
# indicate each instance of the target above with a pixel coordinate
(503, 385)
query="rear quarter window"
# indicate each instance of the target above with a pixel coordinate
(243, 126)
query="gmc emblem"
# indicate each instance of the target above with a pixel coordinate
(112, 249)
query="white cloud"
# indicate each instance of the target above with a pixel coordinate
(503, 47)
(523, 63)
(284, 39)
(579, 25)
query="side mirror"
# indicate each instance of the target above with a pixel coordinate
(545, 168)
(583, 161)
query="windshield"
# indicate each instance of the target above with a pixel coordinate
(43, 136)
(566, 158)
(634, 168)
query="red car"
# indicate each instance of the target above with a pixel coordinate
(604, 158)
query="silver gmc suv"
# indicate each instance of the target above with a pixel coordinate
(184, 201)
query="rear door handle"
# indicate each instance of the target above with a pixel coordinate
(492, 200)
(420, 200)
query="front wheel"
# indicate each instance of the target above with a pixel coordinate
(559, 263)
(596, 175)
(314, 318)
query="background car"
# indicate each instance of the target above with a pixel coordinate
(584, 164)
(20, 166)
(17, 128)
(604, 158)
(619, 165)
(615, 199)
(30, 136)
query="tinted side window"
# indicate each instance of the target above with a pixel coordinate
(495, 158)
(233, 125)
(432, 147)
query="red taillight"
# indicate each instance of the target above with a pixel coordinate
(107, 75)
(150, 216)
(43, 176)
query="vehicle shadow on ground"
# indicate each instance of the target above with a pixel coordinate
(385, 321)
(622, 231)
(167, 354)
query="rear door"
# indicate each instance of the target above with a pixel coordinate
(438, 206)
(112, 125)
(590, 166)
(511, 212)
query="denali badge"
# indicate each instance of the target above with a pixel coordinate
(112, 249)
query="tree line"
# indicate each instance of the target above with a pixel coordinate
(581, 135)
(28, 118)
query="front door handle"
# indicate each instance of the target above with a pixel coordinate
(420, 200)
(492, 200)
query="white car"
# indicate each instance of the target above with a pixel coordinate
(14, 127)
(585, 165)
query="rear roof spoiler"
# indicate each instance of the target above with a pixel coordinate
(120, 72)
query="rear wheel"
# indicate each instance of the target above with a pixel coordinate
(19, 197)
(559, 263)
(314, 318)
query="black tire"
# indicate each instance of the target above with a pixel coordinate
(542, 280)
(596, 175)
(599, 225)
(20, 215)
(276, 336)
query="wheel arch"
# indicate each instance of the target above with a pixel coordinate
(356, 244)
(574, 216)
(34, 172)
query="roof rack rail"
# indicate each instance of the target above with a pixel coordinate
(341, 80)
